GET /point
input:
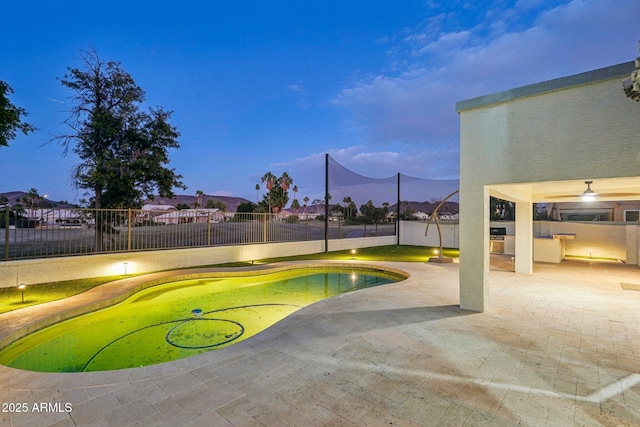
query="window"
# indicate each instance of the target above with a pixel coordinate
(632, 216)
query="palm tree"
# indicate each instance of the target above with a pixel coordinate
(31, 198)
(199, 194)
(306, 200)
(295, 191)
(280, 192)
(278, 196)
(285, 181)
(316, 203)
(270, 180)
(347, 203)
(385, 209)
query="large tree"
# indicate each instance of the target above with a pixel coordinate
(122, 149)
(10, 117)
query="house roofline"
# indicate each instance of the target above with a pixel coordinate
(601, 74)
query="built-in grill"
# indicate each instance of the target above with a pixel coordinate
(497, 233)
(496, 239)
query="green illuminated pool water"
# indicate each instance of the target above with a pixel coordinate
(180, 319)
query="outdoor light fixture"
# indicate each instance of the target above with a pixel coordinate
(126, 264)
(353, 254)
(588, 194)
(22, 287)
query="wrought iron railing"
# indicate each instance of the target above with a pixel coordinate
(43, 232)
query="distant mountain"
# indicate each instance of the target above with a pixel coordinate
(428, 207)
(15, 197)
(230, 202)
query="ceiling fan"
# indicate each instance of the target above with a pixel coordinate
(589, 194)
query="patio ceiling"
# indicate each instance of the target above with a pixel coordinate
(606, 189)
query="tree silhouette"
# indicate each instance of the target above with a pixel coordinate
(11, 117)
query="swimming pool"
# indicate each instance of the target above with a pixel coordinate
(182, 318)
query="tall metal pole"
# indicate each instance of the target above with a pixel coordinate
(398, 213)
(326, 203)
(6, 232)
(129, 230)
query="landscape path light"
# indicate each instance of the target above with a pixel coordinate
(22, 288)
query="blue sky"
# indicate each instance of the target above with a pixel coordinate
(259, 86)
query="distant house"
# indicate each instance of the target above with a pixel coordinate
(149, 212)
(422, 216)
(447, 216)
(49, 216)
(190, 216)
(307, 216)
(284, 214)
(154, 208)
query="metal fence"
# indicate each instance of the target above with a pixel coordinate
(39, 233)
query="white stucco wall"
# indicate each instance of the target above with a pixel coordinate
(413, 233)
(574, 128)
(67, 268)
(588, 130)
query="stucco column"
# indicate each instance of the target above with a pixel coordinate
(524, 238)
(474, 248)
(632, 249)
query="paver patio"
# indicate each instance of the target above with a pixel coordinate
(556, 348)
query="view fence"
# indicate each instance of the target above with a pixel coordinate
(39, 233)
(354, 206)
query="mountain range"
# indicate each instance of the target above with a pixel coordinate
(230, 202)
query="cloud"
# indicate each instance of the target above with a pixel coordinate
(295, 88)
(506, 49)
(445, 43)
(299, 95)
(405, 120)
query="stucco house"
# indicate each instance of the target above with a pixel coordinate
(543, 143)
(188, 216)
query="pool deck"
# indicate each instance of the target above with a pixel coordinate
(559, 347)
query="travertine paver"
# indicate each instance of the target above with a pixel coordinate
(556, 348)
